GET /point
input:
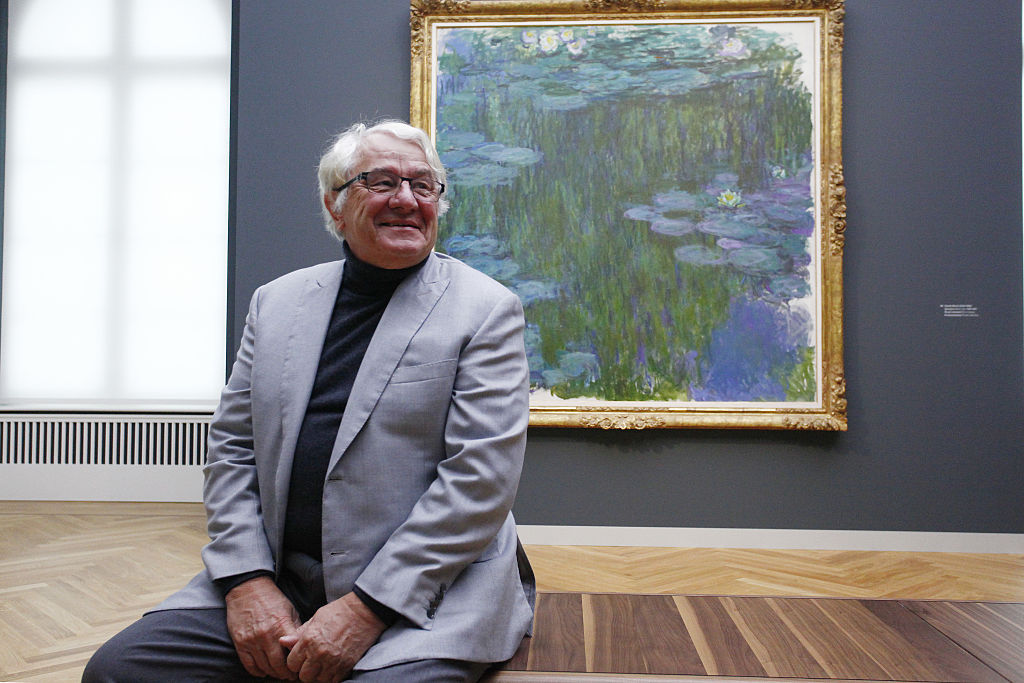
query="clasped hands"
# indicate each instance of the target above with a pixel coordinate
(271, 640)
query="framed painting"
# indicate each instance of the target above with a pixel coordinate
(661, 183)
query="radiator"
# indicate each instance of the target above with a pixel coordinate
(142, 457)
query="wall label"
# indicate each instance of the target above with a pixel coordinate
(959, 310)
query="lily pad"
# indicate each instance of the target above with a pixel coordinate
(642, 213)
(758, 261)
(532, 291)
(725, 227)
(498, 268)
(462, 246)
(457, 139)
(578, 364)
(477, 175)
(698, 254)
(517, 156)
(672, 227)
(562, 102)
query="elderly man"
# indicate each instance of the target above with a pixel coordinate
(363, 459)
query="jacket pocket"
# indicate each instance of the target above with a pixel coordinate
(418, 373)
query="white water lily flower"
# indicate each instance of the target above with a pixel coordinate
(733, 47)
(730, 198)
(549, 41)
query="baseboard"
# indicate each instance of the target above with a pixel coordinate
(783, 539)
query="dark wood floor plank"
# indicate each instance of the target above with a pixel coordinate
(993, 634)
(725, 650)
(667, 647)
(777, 648)
(1012, 612)
(885, 645)
(950, 661)
(520, 661)
(837, 655)
(613, 645)
(558, 639)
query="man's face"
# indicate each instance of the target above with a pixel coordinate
(389, 231)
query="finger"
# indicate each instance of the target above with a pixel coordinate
(332, 669)
(310, 671)
(278, 664)
(262, 663)
(296, 658)
(249, 664)
(335, 675)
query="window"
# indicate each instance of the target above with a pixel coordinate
(116, 201)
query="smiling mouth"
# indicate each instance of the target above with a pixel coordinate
(408, 226)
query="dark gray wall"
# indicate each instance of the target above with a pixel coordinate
(932, 149)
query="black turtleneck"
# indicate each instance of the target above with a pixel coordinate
(364, 294)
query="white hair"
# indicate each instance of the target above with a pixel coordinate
(337, 165)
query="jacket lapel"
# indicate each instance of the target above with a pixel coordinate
(410, 305)
(305, 343)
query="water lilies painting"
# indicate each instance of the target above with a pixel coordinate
(663, 190)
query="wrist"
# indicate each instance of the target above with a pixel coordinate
(364, 613)
(386, 615)
(228, 583)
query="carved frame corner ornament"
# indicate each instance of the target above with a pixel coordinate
(429, 19)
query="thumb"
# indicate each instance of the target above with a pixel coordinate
(288, 641)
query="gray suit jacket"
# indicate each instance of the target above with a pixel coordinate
(416, 504)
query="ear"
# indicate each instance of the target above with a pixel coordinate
(335, 214)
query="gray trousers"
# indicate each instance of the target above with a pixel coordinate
(194, 646)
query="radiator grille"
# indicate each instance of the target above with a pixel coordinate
(103, 439)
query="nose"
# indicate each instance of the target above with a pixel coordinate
(403, 196)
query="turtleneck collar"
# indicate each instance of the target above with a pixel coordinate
(365, 278)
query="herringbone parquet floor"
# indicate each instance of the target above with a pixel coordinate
(818, 573)
(73, 574)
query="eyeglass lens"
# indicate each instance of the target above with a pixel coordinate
(385, 182)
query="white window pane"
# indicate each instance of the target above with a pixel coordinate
(61, 29)
(57, 238)
(59, 120)
(56, 292)
(179, 118)
(176, 241)
(183, 28)
(176, 254)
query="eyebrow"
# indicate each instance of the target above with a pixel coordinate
(425, 170)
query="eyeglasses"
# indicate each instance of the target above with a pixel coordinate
(388, 183)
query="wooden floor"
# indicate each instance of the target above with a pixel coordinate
(73, 574)
(778, 637)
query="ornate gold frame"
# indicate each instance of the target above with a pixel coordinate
(829, 409)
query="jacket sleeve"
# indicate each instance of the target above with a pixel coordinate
(469, 500)
(231, 492)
